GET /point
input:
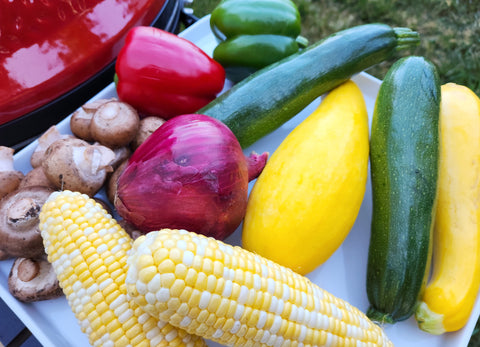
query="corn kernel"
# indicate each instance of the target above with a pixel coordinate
(217, 268)
(202, 316)
(181, 271)
(176, 255)
(147, 273)
(194, 299)
(211, 320)
(197, 263)
(160, 255)
(211, 283)
(191, 277)
(201, 282)
(201, 329)
(177, 288)
(167, 279)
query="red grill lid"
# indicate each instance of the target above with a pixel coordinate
(48, 47)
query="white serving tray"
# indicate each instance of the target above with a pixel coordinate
(53, 323)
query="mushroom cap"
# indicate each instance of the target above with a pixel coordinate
(9, 182)
(36, 177)
(121, 154)
(80, 124)
(6, 158)
(4, 255)
(76, 165)
(48, 137)
(81, 118)
(115, 124)
(19, 231)
(147, 126)
(111, 186)
(33, 280)
(9, 177)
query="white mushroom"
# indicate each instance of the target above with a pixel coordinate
(114, 124)
(9, 177)
(147, 126)
(50, 136)
(76, 165)
(19, 231)
(81, 118)
(121, 154)
(33, 280)
(36, 177)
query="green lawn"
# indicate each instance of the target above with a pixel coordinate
(449, 29)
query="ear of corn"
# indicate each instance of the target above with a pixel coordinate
(237, 298)
(88, 251)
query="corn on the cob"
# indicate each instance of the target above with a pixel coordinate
(88, 251)
(237, 298)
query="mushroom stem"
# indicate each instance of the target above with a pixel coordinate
(9, 177)
(6, 158)
(28, 269)
(33, 280)
(48, 137)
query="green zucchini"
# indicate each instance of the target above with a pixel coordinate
(271, 96)
(404, 155)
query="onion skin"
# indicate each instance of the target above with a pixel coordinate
(189, 174)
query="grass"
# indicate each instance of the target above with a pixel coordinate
(449, 29)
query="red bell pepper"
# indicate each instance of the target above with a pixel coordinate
(164, 75)
(49, 47)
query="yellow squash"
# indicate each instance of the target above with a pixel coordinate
(450, 295)
(307, 198)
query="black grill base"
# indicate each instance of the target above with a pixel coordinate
(21, 131)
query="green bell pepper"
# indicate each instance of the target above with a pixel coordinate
(254, 33)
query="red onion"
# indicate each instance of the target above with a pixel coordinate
(189, 174)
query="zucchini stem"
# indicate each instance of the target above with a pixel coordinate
(379, 317)
(429, 321)
(406, 38)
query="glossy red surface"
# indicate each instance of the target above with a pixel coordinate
(48, 47)
(161, 74)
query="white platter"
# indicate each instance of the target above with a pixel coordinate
(53, 323)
